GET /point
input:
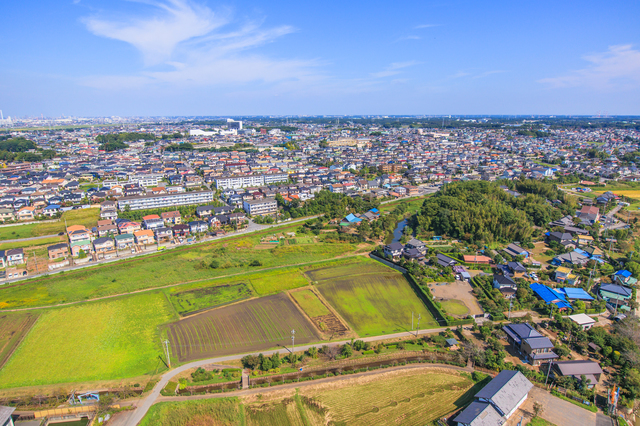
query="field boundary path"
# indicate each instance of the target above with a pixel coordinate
(30, 238)
(136, 416)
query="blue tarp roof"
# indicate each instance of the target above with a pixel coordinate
(548, 295)
(374, 210)
(351, 218)
(574, 293)
(624, 273)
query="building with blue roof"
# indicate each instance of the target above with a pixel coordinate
(549, 296)
(571, 293)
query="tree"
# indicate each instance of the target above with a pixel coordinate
(266, 364)
(250, 361)
(275, 360)
(537, 409)
(346, 350)
(331, 352)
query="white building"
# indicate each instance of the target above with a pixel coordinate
(242, 181)
(141, 202)
(261, 207)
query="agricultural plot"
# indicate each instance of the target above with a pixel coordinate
(95, 341)
(294, 411)
(249, 326)
(198, 299)
(13, 328)
(372, 298)
(321, 316)
(172, 267)
(270, 282)
(217, 412)
(407, 398)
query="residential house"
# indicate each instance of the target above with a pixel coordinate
(584, 240)
(506, 285)
(7, 214)
(78, 233)
(124, 241)
(445, 261)
(14, 256)
(105, 230)
(514, 250)
(578, 369)
(103, 244)
(204, 211)
(79, 246)
(497, 401)
(152, 221)
(128, 227)
(163, 234)
(181, 230)
(589, 214)
(566, 275)
(583, 320)
(573, 258)
(27, 213)
(550, 296)
(6, 416)
(393, 250)
(58, 251)
(3, 259)
(145, 236)
(173, 217)
(198, 226)
(615, 294)
(624, 277)
(559, 237)
(528, 342)
(475, 259)
(516, 269)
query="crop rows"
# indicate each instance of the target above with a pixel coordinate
(247, 326)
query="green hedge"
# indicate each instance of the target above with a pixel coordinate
(435, 310)
(591, 407)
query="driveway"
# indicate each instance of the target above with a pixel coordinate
(555, 410)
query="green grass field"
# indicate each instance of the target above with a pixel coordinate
(454, 307)
(194, 300)
(310, 303)
(33, 243)
(96, 341)
(86, 217)
(371, 297)
(270, 282)
(171, 267)
(215, 412)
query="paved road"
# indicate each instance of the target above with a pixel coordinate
(602, 420)
(137, 415)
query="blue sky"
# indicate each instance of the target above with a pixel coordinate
(179, 57)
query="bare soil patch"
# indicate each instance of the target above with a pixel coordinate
(458, 290)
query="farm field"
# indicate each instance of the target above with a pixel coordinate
(248, 326)
(194, 300)
(294, 411)
(86, 217)
(216, 412)
(13, 327)
(405, 397)
(90, 342)
(372, 298)
(270, 282)
(171, 267)
(310, 303)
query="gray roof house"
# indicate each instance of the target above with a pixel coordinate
(497, 401)
(5, 416)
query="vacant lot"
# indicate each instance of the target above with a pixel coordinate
(456, 296)
(372, 298)
(190, 301)
(95, 341)
(13, 328)
(172, 267)
(216, 412)
(405, 397)
(249, 326)
(270, 282)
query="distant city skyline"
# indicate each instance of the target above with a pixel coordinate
(239, 58)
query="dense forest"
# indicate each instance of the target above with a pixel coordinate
(328, 203)
(116, 141)
(15, 149)
(481, 211)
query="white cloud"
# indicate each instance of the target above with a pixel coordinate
(393, 69)
(617, 68)
(193, 42)
(419, 27)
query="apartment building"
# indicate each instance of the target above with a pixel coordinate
(141, 202)
(261, 207)
(143, 180)
(242, 181)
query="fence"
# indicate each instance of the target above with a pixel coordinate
(386, 262)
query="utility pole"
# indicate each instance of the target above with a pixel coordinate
(36, 260)
(510, 305)
(293, 340)
(166, 349)
(418, 329)
(548, 370)
(411, 320)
